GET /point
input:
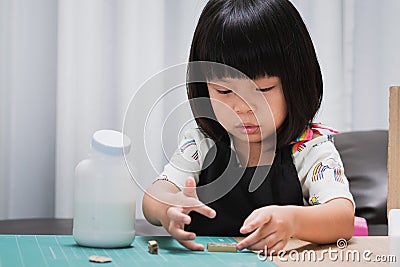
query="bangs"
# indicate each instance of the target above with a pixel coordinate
(233, 38)
(254, 39)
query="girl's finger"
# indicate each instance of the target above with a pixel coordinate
(191, 245)
(270, 242)
(250, 218)
(176, 214)
(268, 251)
(175, 230)
(254, 222)
(193, 204)
(278, 247)
(206, 211)
(253, 239)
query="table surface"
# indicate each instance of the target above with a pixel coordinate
(59, 250)
(359, 251)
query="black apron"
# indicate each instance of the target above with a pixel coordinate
(280, 187)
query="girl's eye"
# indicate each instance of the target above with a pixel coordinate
(223, 92)
(264, 89)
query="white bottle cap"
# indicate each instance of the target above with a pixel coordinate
(111, 142)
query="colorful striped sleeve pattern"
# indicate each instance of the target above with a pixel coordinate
(319, 166)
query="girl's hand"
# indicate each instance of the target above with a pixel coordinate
(184, 202)
(272, 226)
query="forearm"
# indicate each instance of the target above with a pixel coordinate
(325, 223)
(155, 201)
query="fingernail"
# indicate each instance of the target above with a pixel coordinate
(213, 213)
(186, 220)
(192, 237)
(239, 247)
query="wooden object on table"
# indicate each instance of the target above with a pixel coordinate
(216, 247)
(152, 245)
(99, 259)
(394, 150)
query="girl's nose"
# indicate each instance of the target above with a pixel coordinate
(242, 106)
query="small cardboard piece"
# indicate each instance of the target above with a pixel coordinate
(216, 247)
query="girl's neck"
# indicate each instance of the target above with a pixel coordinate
(254, 153)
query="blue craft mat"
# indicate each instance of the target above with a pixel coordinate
(53, 250)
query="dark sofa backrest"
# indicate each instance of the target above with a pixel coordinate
(364, 155)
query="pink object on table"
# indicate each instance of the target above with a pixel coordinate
(360, 226)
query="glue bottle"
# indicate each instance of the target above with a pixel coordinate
(105, 197)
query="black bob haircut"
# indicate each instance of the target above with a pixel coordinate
(259, 38)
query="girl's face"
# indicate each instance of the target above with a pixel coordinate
(249, 110)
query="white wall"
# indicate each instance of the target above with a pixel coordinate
(357, 46)
(28, 89)
(376, 61)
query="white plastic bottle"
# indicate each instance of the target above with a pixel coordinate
(105, 197)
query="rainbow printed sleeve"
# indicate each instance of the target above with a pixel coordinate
(319, 166)
(188, 158)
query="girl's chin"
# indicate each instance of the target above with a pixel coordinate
(248, 138)
(253, 138)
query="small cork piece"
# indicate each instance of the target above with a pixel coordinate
(99, 259)
(152, 245)
(214, 247)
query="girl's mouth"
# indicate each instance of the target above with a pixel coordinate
(248, 128)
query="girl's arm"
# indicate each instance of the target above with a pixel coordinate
(272, 226)
(325, 223)
(154, 204)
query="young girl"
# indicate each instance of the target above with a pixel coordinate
(304, 192)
